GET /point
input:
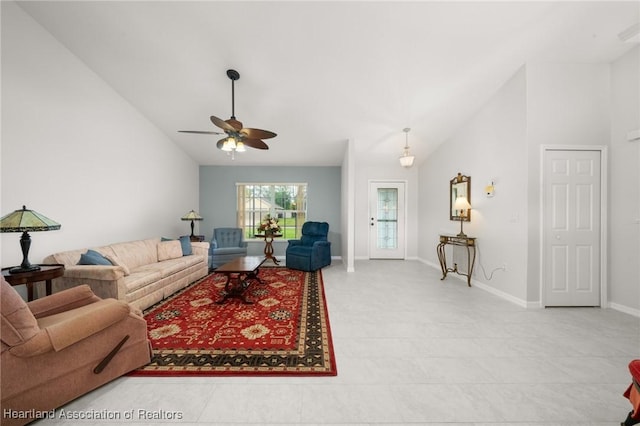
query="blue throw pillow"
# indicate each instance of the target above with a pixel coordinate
(185, 242)
(92, 257)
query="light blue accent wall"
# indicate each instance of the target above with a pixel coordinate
(218, 198)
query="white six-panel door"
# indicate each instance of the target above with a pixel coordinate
(571, 227)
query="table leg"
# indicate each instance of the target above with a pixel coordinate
(268, 250)
(29, 291)
(470, 261)
(238, 289)
(48, 284)
(443, 259)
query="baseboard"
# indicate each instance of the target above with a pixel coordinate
(506, 296)
(625, 309)
(501, 294)
(426, 262)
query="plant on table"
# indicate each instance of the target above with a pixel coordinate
(269, 226)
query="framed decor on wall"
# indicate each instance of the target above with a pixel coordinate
(459, 186)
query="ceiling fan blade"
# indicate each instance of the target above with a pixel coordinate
(255, 143)
(200, 132)
(223, 124)
(237, 125)
(258, 133)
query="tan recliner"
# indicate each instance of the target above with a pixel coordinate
(59, 347)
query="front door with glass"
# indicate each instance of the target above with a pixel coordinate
(387, 220)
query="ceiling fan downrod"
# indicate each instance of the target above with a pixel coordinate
(233, 75)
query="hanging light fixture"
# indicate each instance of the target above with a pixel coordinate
(231, 146)
(406, 160)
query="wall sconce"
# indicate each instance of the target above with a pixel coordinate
(463, 205)
(406, 160)
(489, 189)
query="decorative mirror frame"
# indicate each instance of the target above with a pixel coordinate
(460, 184)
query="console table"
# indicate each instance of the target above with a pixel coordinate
(453, 240)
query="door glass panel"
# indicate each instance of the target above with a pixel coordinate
(387, 225)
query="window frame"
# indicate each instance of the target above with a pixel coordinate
(290, 220)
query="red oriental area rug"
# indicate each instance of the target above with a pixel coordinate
(285, 331)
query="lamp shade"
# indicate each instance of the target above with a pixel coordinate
(461, 203)
(192, 215)
(406, 161)
(25, 220)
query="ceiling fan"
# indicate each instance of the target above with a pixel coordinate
(237, 137)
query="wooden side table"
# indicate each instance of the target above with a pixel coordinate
(454, 240)
(268, 246)
(46, 273)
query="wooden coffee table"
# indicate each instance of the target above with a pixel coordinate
(243, 270)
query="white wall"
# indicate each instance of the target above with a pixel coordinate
(567, 104)
(543, 104)
(77, 152)
(624, 184)
(347, 212)
(491, 146)
(392, 172)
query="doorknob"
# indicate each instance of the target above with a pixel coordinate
(557, 237)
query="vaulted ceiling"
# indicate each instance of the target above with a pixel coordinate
(321, 73)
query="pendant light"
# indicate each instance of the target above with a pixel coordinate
(406, 160)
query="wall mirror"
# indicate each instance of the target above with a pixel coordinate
(459, 186)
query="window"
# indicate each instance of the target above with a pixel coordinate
(285, 201)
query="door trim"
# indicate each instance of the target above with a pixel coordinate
(604, 301)
(405, 213)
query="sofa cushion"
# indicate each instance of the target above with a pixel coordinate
(170, 266)
(115, 261)
(185, 242)
(92, 257)
(169, 250)
(137, 253)
(299, 250)
(18, 323)
(140, 278)
(230, 250)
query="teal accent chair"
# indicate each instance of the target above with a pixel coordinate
(226, 245)
(312, 251)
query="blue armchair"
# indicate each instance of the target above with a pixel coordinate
(312, 251)
(226, 245)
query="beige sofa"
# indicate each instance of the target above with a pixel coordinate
(142, 273)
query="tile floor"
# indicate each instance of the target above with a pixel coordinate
(412, 349)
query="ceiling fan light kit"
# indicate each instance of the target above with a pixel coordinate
(406, 159)
(238, 137)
